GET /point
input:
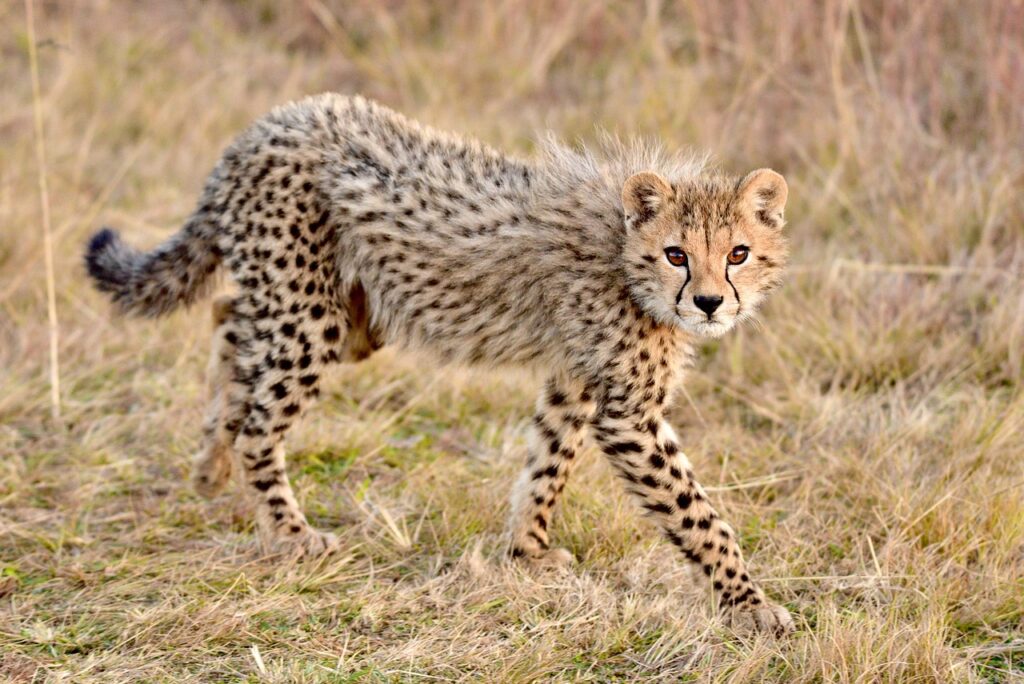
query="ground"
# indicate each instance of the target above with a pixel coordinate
(864, 438)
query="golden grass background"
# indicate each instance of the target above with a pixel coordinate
(865, 438)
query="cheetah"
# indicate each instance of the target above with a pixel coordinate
(346, 226)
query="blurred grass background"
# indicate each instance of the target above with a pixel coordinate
(865, 437)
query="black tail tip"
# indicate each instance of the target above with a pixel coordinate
(100, 241)
(100, 263)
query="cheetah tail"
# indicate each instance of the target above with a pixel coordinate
(155, 283)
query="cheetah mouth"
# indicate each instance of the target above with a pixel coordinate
(706, 326)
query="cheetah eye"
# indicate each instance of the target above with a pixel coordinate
(675, 256)
(738, 255)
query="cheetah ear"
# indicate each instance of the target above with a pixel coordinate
(763, 196)
(643, 196)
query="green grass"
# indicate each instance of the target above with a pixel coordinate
(864, 437)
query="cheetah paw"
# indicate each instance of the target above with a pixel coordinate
(549, 559)
(307, 544)
(765, 617)
(211, 472)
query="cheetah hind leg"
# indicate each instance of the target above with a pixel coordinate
(211, 468)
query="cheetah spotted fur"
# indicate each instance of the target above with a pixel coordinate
(346, 226)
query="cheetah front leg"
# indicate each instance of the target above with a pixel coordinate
(555, 442)
(643, 450)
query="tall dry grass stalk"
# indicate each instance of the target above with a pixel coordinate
(44, 207)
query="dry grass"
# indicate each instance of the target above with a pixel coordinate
(866, 439)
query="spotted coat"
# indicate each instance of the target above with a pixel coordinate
(346, 226)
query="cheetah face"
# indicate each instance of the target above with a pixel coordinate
(702, 256)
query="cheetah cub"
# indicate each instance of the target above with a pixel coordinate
(346, 226)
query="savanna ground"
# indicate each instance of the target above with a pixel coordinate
(865, 438)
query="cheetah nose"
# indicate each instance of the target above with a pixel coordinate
(708, 304)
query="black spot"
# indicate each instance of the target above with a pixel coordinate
(317, 312)
(658, 507)
(332, 334)
(623, 448)
(683, 501)
(264, 485)
(657, 461)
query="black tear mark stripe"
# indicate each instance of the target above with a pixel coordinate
(739, 304)
(679, 297)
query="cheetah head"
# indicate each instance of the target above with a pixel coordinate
(703, 254)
